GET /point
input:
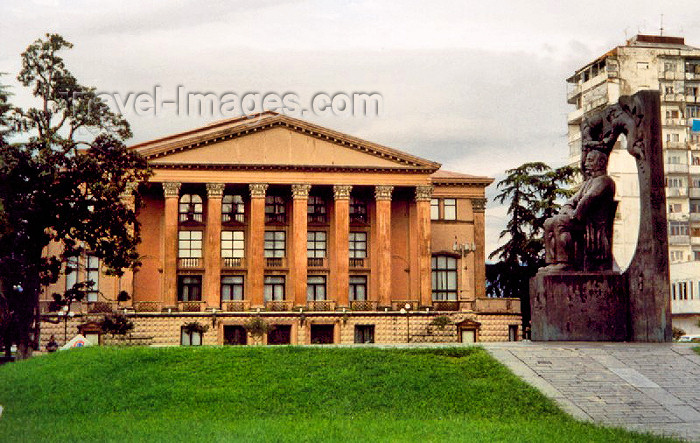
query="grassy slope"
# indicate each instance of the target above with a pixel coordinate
(280, 394)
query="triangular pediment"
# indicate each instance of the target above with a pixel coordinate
(271, 140)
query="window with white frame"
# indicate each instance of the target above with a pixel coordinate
(358, 244)
(316, 244)
(92, 274)
(191, 208)
(434, 209)
(274, 246)
(444, 277)
(316, 210)
(316, 287)
(190, 244)
(677, 228)
(232, 287)
(449, 209)
(232, 208)
(190, 338)
(232, 244)
(358, 210)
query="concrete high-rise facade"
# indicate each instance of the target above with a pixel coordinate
(670, 66)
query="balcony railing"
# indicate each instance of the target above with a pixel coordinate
(190, 262)
(234, 217)
(191, 217)
(99, 307)
(446, 305)
(147, 306)
(679, 239)
(363, 305)
(235, 305)
(278, 305)
(676, 192)
(276, 218)
(191, 306)
(397, 305)
(357, 262)
(232, 262)
(315, 262)
(274, 262)
(676, 167)
(320, 305)
(694, 192)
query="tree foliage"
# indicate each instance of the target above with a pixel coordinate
(533, 192)
(61, 183)
(116, 324)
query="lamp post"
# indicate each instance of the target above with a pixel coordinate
(406, 310)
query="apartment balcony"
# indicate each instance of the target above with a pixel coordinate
(674, 122)
(191, 306)
(358, 262)
(676, 168)
(316, 262)
(363, 305)
(695, 241)
(675, 145)
(575, 116)
(320, 305)
(100, 307)
(147, 306)
(235, 305)
(695, 216)
(686, 306)
(670, 75)
(189, 263)
(691, 99)
(673, 98)
(278, 306)
(572, 94)
(679, 240)
(676, 192)
(694, 192)
(232, 262)
(677, 216)
(275, 262)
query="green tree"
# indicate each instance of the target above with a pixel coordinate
(61, 183)
(533, 192)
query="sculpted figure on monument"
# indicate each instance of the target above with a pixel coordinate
(580, 236)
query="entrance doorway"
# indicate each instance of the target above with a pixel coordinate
(468, 335)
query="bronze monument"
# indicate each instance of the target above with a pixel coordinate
(578, 296)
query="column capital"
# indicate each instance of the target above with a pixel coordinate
(342, 192)
(171, 189)
(301, 190)
(383, 192)
(258, 190)
(215, 190)
(424, 193)
(478, 204)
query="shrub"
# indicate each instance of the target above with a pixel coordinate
(116, 324)
(257, 327)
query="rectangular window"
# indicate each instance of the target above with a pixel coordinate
(316, 244)
(642, 66)
(189, 288)
(449, 209)
(92, 271)
(274, 288)
(190, 244)
(692, 111)
(444, 278)
(358, 288)
(190, 338)
(316, 210)
(364, 333)
(358, 245)
(674, 208)
(315, 287)
(232, 244)
(274, 244)
(231, 287)
(434, 209)
(72, 264)
(694, 206)
(678, 228)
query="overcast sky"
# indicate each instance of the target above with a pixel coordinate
(478, 86)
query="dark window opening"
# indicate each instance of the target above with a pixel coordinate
(189, 288)
(235, 335)
(364, 333)
(322, 334)
(280, 335)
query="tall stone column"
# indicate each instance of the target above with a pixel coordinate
(171, 190)
(423, 196)
(298, 262)
(478, 208)
(382, 195)
(212, 246)
(126, 281)
(339, 255)
(255, 246)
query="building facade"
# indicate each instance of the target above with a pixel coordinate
(668, 65)
(323, 237)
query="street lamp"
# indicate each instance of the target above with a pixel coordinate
(405, 310)
(463, 249)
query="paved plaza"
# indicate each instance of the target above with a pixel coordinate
(639, 386)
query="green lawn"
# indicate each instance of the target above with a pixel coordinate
(279, 394)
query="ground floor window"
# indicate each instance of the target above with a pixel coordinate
(322, 334)
(280, 335)
(190, 338)
(231, 287)
(315, 287)
(274, 288)
(235, 335)
(189, 288)
(364, 333)
(444, 278)
(358, 288)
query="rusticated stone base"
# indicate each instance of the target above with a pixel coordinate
(579, 306)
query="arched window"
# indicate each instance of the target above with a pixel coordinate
(358, 210)
(316, 210)
(275, 211)
(191, 208)
(232, 209)
(444, 278)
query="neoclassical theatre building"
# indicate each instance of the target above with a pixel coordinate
(324, 237)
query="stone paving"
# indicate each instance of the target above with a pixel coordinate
(646, 387)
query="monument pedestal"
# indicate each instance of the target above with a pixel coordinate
(579, 306)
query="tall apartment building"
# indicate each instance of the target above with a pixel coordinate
(670, 66)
